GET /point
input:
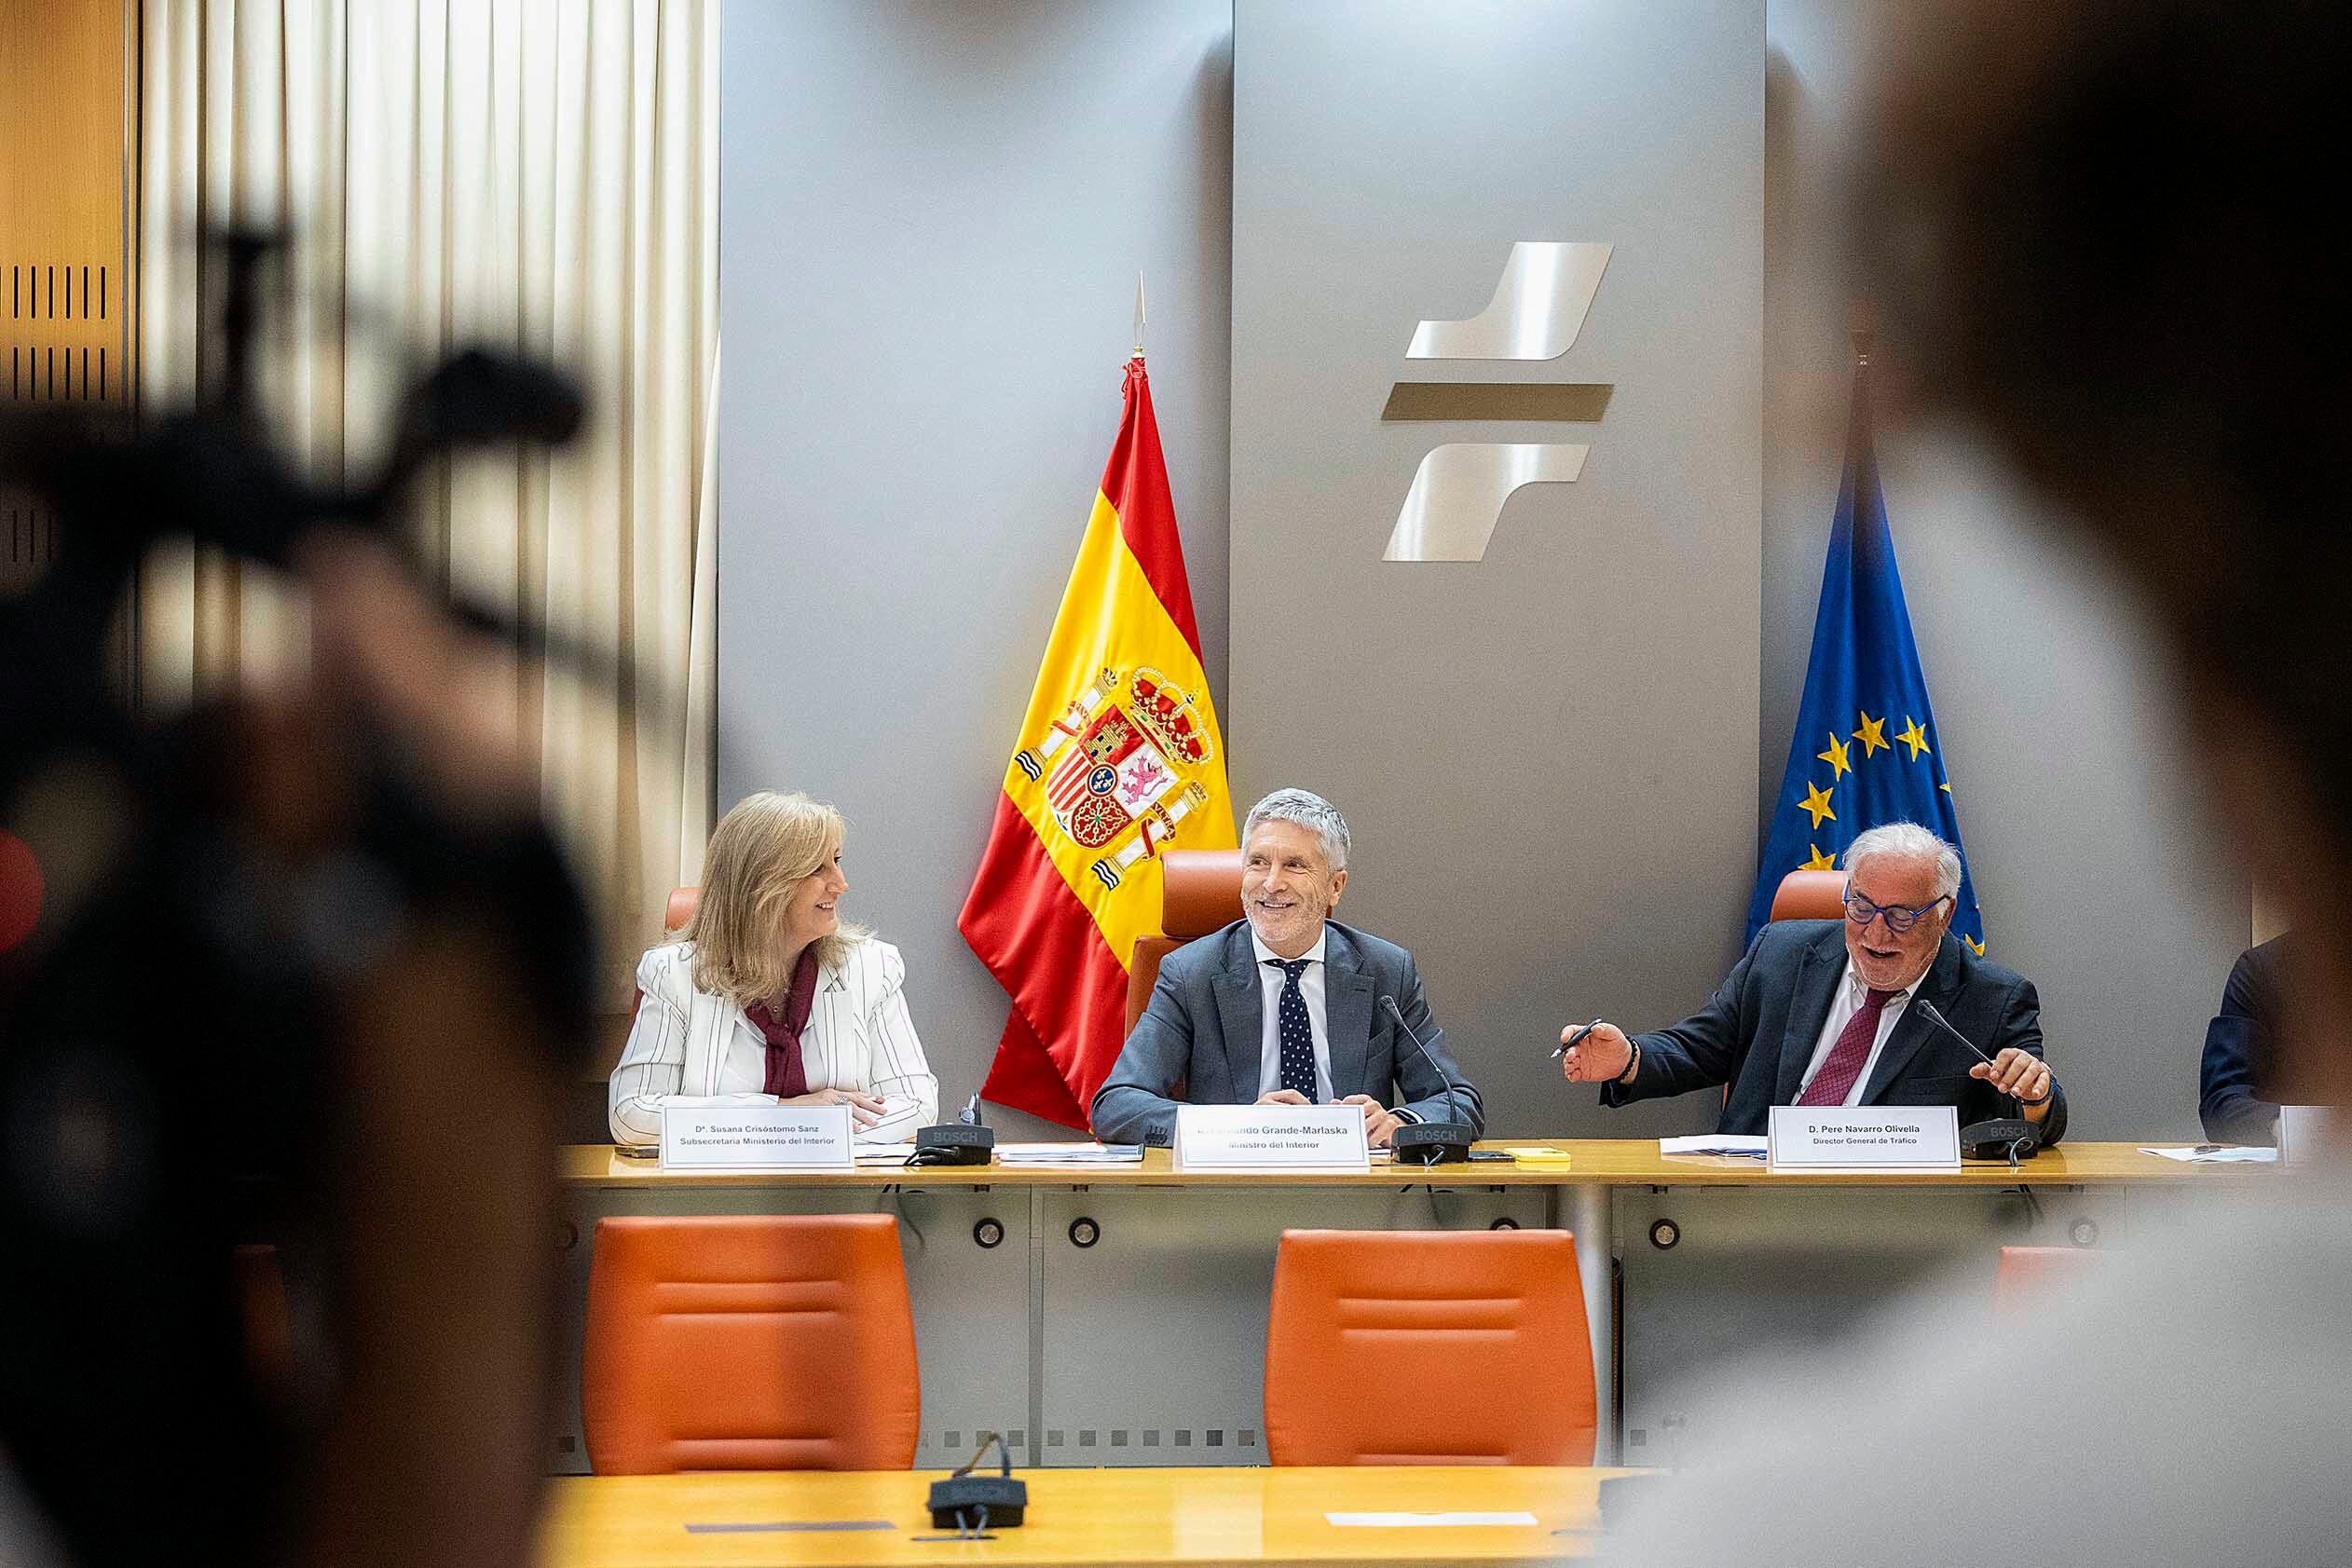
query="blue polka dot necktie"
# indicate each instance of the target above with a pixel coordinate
(1298, 1037)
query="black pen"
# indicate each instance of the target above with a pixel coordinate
(1575, 1039)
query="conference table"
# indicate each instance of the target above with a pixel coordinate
(1195, 1515)
(1114, 1315)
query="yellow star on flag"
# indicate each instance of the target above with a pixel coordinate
(1816, 802)
(1914, 737)
(1820, 862)
(1872, 735)
(1973, 946)
(1836, 757)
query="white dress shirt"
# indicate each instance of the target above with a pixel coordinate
(689, 1043)
(1310, 987)
(1851, 992)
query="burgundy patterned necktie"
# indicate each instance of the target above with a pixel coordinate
(1843, 1065)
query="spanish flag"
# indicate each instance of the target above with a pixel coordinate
(1119, 759)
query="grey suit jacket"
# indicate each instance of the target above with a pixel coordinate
(1203, 1035)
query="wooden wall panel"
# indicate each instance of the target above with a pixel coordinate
(65, 150)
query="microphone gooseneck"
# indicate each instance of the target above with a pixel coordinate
(1430, 1143)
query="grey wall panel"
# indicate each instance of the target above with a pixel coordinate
(934, 218)
(2055, 709)
(1548, 756)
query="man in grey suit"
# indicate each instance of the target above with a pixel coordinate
(1284, 1006)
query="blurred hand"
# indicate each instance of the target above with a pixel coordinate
(1283, 1097)
(1380, 1122)
(1604, 1054)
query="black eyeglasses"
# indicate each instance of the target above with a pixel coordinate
(1861, 911)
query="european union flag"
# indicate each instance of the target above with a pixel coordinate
(1865, 752)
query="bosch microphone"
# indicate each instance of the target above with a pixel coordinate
(1430, 1143)
(2009, 1138)
(968, 1141)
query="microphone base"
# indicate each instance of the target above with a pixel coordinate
(978, 1502)
(954, 1143)
(1433, 1143)
(1994, 1139)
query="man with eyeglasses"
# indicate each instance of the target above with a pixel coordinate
(1819, 1012)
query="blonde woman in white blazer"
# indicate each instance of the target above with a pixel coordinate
(767, 997)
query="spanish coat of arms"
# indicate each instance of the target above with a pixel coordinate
(1116, 766)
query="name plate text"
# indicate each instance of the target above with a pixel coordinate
(1863, 1138)
(757, 1137)
(1271, 1137)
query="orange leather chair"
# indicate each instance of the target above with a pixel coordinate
(1201, 891)
(1810, 896)
(2030, 1274)
(1490, 1324)
(749, 1343)
(683, 902)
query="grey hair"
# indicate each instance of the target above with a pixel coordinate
(1309, 810)
(1911, 841)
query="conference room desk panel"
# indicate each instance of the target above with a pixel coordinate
(1115, 1317)
(1075, 1517)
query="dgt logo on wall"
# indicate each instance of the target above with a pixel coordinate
(1460, 489)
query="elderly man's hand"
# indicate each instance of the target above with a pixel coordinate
(2020, 1074)
(1380, 1122)
(1599, 1057)
(1283, 1097)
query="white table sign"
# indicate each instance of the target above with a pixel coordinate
(757, 1137)
(1271, 1137)
(1863, 1138)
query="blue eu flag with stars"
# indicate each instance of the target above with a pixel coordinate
(1865, 751)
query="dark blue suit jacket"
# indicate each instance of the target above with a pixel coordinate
(1759, 1028)
(2242, 1046)
(1203, 1034)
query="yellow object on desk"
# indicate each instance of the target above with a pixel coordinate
(1107, 1517)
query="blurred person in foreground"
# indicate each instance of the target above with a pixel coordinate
(767, 997)
(2113, 232)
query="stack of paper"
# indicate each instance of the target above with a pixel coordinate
(1737, 1147)
(2217, 1154)
(1069, 1154)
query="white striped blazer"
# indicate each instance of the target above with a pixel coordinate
(689, 1043)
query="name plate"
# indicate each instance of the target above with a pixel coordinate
(1271, 1137)
(1863, 1138)
(757, 1137)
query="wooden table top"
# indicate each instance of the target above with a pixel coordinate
(1074, 1516)
(1611, 1162)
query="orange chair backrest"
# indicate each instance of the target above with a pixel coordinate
(1200, 892)
(749, 1343)
(1490, 1322)
(1810, 896)
(682, 905)
(2028, 1275)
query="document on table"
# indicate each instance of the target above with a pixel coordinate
(882, 1153)
(1069, 1154)
(1736, 1146)
(1412, 1521)
(2217, 1154)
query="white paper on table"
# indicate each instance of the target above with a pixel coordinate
(2206, 1154)
(1069, 1154)
(1737, 1145)
(1408, 1522)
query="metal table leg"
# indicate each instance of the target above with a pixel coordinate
(1589, 1217)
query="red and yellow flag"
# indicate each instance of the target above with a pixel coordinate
(1119, 758)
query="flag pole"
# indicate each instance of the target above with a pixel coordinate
(1862, 326)
(1138, 313)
